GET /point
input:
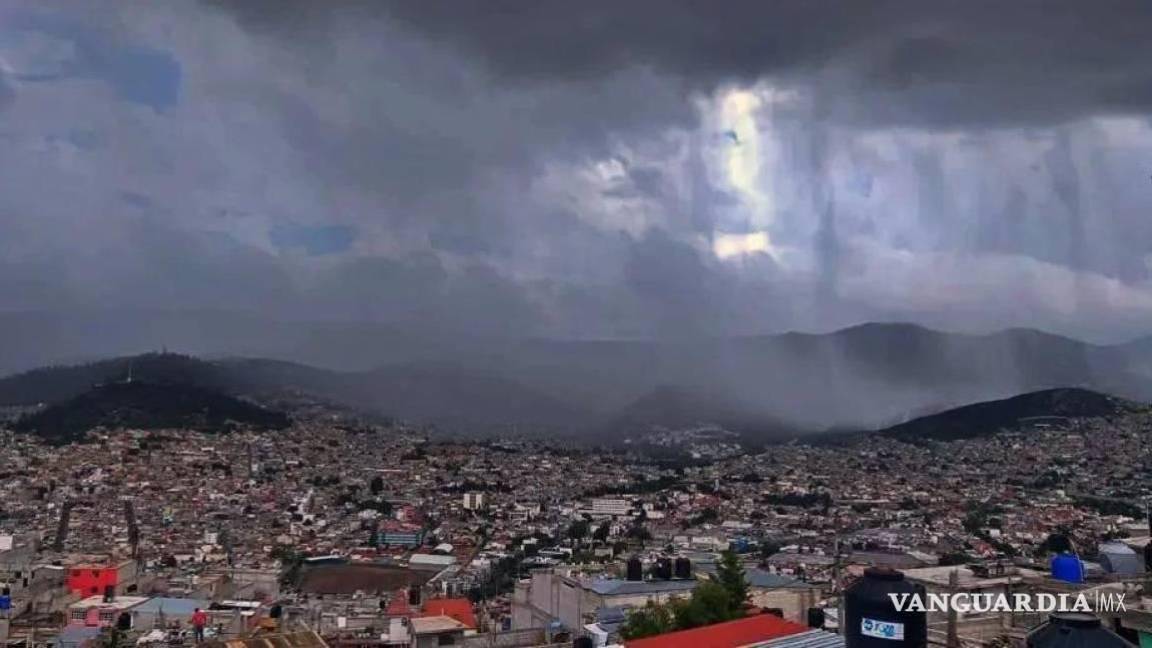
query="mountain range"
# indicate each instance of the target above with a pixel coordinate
(864, 377)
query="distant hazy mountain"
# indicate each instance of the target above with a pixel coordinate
(868, 376)
(146, 405)
(673, 407)
(460, 398)
(981, 419)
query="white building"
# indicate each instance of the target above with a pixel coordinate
(473, 501)
(557, 595)
(610, 506)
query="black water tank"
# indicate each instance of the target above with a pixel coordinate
(109, 593)
(1074, 630)
(683, 568)
(413, 596)
(664, 569)
(816, 617)
(583, 642)
(635, 569)
(871, 619)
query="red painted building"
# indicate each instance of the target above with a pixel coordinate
(90, 580)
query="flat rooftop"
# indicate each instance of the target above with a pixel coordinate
(436, 625)
(119, 603)
(617, 587)
(966, 578)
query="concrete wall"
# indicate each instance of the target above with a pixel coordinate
(793, 601)
(547, 597)
(510, 639)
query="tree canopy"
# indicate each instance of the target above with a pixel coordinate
(712, 601)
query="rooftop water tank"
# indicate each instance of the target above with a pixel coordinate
(635, 569)
(871, 619)
(1075, 630)
(1118, 558)
(816, 617)
(1068, 568)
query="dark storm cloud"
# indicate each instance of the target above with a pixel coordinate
(894, 61)
(567, 168)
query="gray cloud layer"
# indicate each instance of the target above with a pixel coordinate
(583, 169)
(893, 61)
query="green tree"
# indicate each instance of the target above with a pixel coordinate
(650, 620)
(640, 533)
(954, 558)
(1056, 543)
(768, 549)
(578, 530)
(730, 574)
(601, 532)
(113, 637)
(710, 603)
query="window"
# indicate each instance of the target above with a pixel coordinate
(106, 617)
(78, 615)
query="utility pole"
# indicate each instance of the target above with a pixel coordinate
(953, 635)
(133, 528)
(62, 526)
(841, 621)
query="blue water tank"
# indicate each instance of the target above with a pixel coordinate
(1068, 568)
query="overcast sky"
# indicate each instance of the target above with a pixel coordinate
(637, 168)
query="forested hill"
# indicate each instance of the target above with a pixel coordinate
(981, 419)
(146, 405)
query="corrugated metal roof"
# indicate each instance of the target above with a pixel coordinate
(176, 606)
(810, 639)
(305, 639)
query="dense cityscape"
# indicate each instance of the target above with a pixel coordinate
(369, 533)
